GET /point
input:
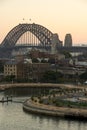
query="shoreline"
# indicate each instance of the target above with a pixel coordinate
(42, 85)
(64, 112)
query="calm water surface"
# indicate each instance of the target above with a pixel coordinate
(12, 117)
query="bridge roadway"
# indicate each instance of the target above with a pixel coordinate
(61, 48)
(5, 52)
(37, 85)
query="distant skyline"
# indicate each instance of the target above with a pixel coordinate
(59, 16)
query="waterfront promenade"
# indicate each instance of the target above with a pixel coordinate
(41, 85)
(38, 108)
(35, 107)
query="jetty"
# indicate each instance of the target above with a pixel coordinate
(2, 101)
(6, 99)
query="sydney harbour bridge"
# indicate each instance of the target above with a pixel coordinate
(26, 36)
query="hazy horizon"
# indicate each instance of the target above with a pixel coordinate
(59, 16)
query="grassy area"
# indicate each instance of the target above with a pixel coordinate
(70, 104)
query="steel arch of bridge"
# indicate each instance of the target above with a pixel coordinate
(42, 33)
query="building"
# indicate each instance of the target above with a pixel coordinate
(35, 71)
(14, 68)
(37, 54)
(68, 40)
(55, 43)
(25, 70)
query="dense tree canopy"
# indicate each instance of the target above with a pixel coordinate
(67, 54)
(84, 76)
(52, 61)
(35, 60)
(43, 61)
(1, 67)
(51, 76)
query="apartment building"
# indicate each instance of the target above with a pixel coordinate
(13, 67)
(22, 70)
(35, 71)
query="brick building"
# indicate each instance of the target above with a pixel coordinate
(35, 71)
(22, 70)
(13, 67)
(37, 54)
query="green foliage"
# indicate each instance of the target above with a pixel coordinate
(62, 103)
(51, 61)
(32, 98)
(51, 76)
(9, 78)
(35, 60)
(67, 54)
(43, 61)
(12, 77)
(1, 66)
(84, 76)
(40, 101)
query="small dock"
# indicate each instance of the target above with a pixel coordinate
(6, 99)
(3, 101)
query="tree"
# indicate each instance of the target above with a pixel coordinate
(83, 76)
(9, 78)
(43, 61)
(51, 76)
(35, 60)
(67, 54)
(1, 66)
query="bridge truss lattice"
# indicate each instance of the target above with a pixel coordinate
(42, 33)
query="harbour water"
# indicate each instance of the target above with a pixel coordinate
(12, 117)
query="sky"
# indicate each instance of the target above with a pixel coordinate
(59, 16)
